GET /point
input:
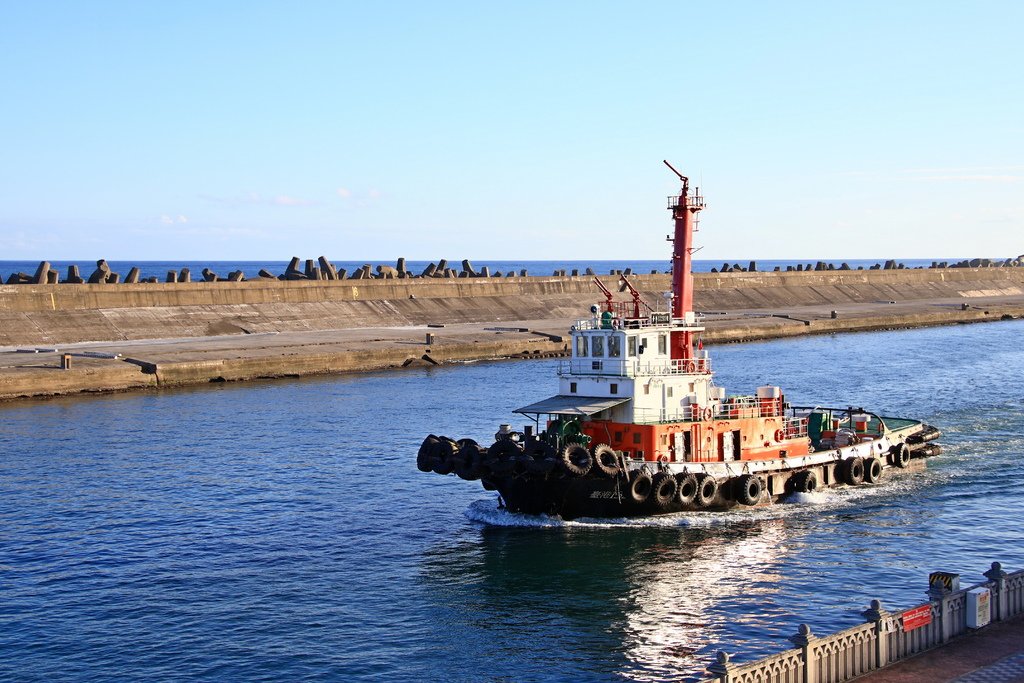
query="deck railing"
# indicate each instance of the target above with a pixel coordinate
(885, 638)
(626, 321)
(632, 367)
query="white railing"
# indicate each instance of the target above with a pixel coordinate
(633, 367)
(881, 641)
(750, 406)
(795, 426)
(655, 415)
(656, 319)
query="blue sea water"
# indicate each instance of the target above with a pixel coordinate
(251, 268)
(279, 530)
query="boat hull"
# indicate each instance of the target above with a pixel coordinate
(641, 489)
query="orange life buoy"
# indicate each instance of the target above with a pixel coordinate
(780, 435)
(689, 366)
(708, 413)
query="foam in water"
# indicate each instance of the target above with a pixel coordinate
(487, 512)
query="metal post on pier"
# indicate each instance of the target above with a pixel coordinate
(878, 616)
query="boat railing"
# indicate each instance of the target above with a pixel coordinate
(795, 427)
(858, 420)
(685, 413)
(626, 322)
(749, 406)
(745, 407)
(633, 367)
(694, 200)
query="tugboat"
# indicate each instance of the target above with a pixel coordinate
(639, 428)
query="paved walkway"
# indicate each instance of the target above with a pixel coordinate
(993, 655)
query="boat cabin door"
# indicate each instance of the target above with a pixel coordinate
(730, 444)
(681, 447)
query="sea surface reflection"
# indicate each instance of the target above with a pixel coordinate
(280, 530)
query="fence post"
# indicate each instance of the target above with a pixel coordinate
(877, 616)
(940, 594)
(803, 640)
(998, 577)
(722, 668)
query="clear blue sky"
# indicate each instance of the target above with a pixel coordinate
(258, 130)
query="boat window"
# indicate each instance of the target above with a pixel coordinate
(597, 345)
(669, 392)
(581, 345)
(662, 344)
(631, 346)
(614, 346)
(572, 387)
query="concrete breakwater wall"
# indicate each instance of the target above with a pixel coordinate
(323, 269)
(52, 314)
(315, 269)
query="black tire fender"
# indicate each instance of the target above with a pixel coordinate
(748, 489)
(425, 456)
(707, 489)
(805, 481)
(873, 471)
(469, 462)
(640, 486)
(686, 488)
(577, 460)
(853, 471)
(663, 490)
(899, 455)
(444, 461)
(606, 460)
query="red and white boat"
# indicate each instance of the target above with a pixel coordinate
(638, 426)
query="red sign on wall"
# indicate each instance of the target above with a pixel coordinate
(917, 617)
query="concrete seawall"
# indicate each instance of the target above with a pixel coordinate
(60, 314)
(123, 337)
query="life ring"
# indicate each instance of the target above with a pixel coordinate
(689, 366)
(663, 459)
(780, 435)
(708, 414)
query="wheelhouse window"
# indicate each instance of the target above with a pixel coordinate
(597, 346)
(581, 346)
(614, 346)
(631, 346)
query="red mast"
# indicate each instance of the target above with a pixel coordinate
(684, 210)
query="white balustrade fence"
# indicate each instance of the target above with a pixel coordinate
(881, 641)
